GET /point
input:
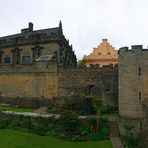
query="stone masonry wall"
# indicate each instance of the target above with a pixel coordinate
(100, 82)
(133, 84)
(39, 80)
(133, 81)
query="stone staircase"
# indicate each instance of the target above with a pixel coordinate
(114, 134)
(113, 129)
(41, 110)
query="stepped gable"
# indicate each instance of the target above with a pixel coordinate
(104, 54)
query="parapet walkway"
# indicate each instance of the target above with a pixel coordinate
(114, 134)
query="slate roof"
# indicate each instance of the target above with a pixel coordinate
(48, 32)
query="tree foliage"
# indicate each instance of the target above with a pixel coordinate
(69, 124)
(81, 63)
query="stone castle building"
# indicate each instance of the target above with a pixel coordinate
(133, 88)
(42, 65)
(26, 47)
(104, 54)
(29, 62)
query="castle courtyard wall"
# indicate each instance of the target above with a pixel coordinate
(101, 82)
(39, 80)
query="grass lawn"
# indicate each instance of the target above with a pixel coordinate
(15, 109)
(14, 139)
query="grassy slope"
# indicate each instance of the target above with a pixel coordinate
(7, 108)
(13, 139)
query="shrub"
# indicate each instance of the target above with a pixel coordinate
(69, 124)
(106, 109)
(76, 138)
(103, 134)
(14, 123)
(103, 123)
(4, 124)
(129, 139)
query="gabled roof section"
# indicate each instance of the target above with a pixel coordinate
(29, 31)
(103, 51)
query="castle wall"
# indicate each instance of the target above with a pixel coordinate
(133, 84)
(39, 80)
(101, 82)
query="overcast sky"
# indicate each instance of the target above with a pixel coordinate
(85, 22)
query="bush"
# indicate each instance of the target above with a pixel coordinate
(103, 134)
(4, 124)
(131, 141)
(103, 123)
(20, 129)
(38, 130)
(76, 138)
(14, 123)
(106, 109)
(69, 124)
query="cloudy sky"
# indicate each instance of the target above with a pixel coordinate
(85, 22)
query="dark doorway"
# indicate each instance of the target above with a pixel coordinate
(90, 89)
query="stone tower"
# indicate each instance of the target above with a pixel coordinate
(133, 86)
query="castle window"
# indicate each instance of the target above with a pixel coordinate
(108, 53)
(139, 71)
(26, 59)
(36, 52)
(89, 90)
(140, 126)
(7, 60)
(139, 95)
(16, 55)
(1, 56)
(99, 53)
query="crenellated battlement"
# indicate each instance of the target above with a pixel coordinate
(134, 49)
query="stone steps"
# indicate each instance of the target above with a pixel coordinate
(114, 134)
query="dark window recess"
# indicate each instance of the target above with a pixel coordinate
(92, 65)
(140, 125)
(26, 59)
(1, 56)
(90, 89)
(139, 95)
(107, 86)
(107, 89)
(139, 71)
(7, 60)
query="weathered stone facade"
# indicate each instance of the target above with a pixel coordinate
(26, 47)
(133, 84)
(29, 62)
(104, 54)
(101, 82)
(41, 65)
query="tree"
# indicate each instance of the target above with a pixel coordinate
(81, 63)
(97, 105)
(69, 124)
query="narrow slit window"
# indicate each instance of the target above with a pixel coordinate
(139, 95)
(139, 71)
(140, 125)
